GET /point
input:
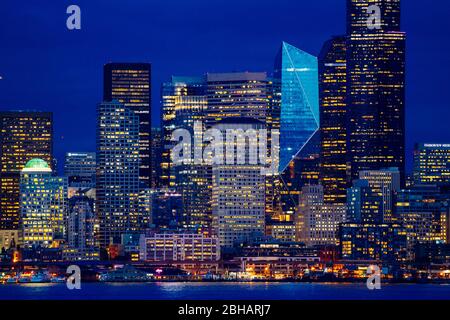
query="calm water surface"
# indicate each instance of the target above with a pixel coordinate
(222, 291)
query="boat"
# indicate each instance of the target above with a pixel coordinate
(40, 277)
(125, 274)
(12, 280)
(57, 279)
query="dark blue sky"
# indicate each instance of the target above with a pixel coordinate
(44, 66)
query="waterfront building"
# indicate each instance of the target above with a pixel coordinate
(316, 221)
(117, 182)
(375, 88)
(43, 205)
(333, 112)
(238, 188)
(130, 84)
(23, 136)
(431, 164)
(424, 212)
(381, 242)
(384, 183)
(178, 247)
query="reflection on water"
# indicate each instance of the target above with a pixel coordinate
(230, 290)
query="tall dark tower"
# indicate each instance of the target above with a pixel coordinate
(23, 136)
(375, 86)
(130, 84)
(333, 112)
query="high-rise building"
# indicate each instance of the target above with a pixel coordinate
(364, 205)
(43, 206)
(237, 94)
(79, 168)
(130, 84)
(303, 170)
(238, 187)
(23, 136)
(165, 209)
(296, 89)
(333, 113)
(384, 183)
(431, 164)
(249, 95)
(317, 222)
(375, 87)
(81, 221)
(185, 104)
(424, 212)
(156, 152)
(117, 182)
(177, 87)
(296, 72)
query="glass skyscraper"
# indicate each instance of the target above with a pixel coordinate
(117, 172)
(375, 88)
(333, 109)
(130, 84)
(297, 74)
(23, 136)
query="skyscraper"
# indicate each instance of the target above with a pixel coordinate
(130, 84)
(333, 132)
(23, 136)
(296, 85)
(432, 164)
(79, 168)
(385, 183)
(42, 206)
(177, 87)
(375, 87)
(237, 94)
(184, 106)
(238, 188)
(297, 74)
(117, 172)
(156, 152)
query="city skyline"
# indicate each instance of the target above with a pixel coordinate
(73, 98)
(245, 165)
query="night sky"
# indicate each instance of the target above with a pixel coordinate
(44, 66)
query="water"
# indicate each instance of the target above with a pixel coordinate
(223, 291)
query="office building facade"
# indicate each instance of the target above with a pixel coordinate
(130, 84)
(23, 136)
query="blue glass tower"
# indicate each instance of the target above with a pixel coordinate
(297, 73)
